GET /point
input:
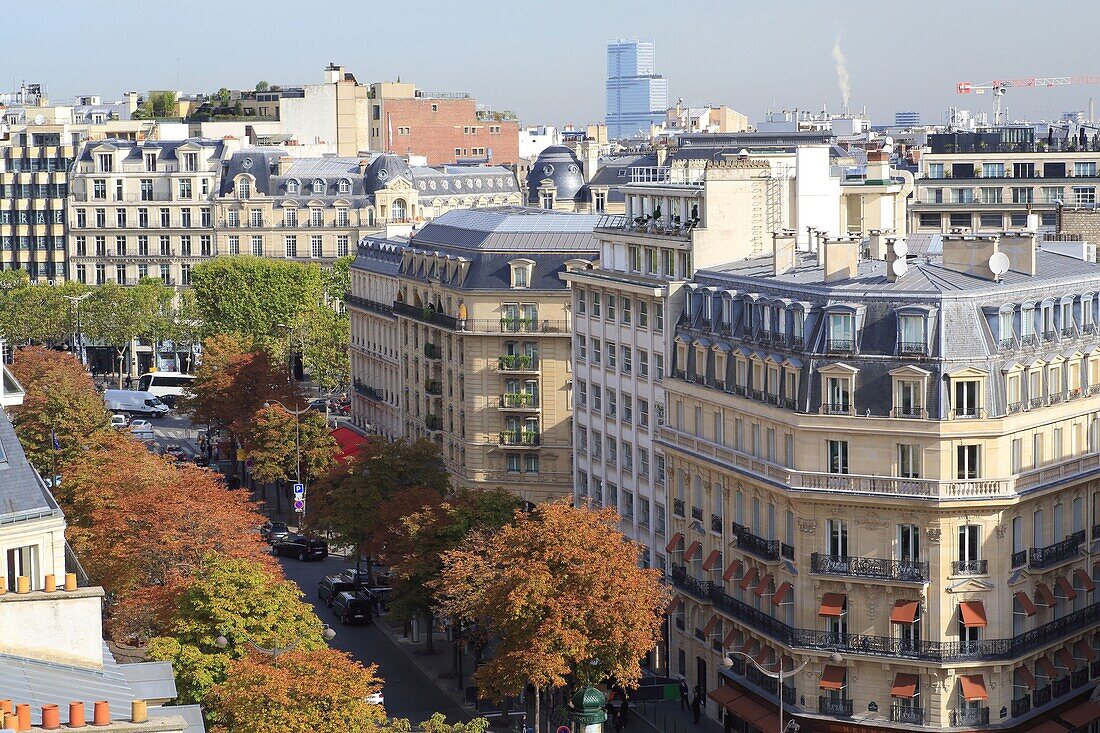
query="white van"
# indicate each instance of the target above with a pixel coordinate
(133, 401)
(168, 386)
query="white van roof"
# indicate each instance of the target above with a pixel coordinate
(168, 374)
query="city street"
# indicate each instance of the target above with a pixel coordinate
(408, 691)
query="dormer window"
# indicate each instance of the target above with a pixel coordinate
(190, 162)
(293, 187)
(318, 186)
(150, 162)
(911, 334)
(344, 186)
(522, 271)
(244, 188)
(104, 162)
(841, 336)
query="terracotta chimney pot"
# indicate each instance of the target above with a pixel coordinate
(23, 716)
(70, 581)
(49, 583)
(3, 585)
(139, 711)
(51, 717)
(11, 721)
(22, 584)
(5, 708)
(101, 713)
(76, 715)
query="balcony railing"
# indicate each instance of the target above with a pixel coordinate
(678, 507)
(369, 392)
(834, 346)
(970, 716)
(697, 513)
(519, 437)
(754, 544)
(518, 401)
(1021, 706)
(685, 582)
(839, 707)
(837, 408)
(367, 304)
(432, 351)
(1059, 552)
(912, 347)
(1006, 343)
(715, 523)
(869, 567)
(517, 363)
(909, 412)
(905, 714)
(969, 567)
(1019, 559)
(433, 387)
(425, 314)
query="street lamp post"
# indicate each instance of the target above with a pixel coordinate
(274, 652)
(779, 677)
(297, 441)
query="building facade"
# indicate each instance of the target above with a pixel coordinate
(882, 482)
(988, 181)
(483, 335)
(636, 96)
(142, 209)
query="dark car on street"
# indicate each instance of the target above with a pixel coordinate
(353, 607)
(274, 531)
(301, 547)
(345, 580)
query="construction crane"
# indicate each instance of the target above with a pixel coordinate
(999, 86)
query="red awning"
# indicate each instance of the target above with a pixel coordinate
(763, 655)
(750, 576)
(781, 594)
(1082, 650)
(832, 677)
(1064, 658)
(972, 614)
(762, 586)
(832, 604)
(731, 570)
(1083, 580)
(674, 605)
(1027, 677)
(723, 694)
(1048, 727)
(712, 559)
(674, 544)
(905, 612)
(350, 442)
(746, 708)
(751, 647)
(1082, 715)
(692, 551)
(973, 687)
(1025, 603)
(1043, 595)
(1047, 666)
(709, 628)
(905, 685)
(730, 638)
(1066, 587)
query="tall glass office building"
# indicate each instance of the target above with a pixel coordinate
(636, 97)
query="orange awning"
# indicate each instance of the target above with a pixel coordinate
(1082, 715)
(905, 685)
(692, 551)
(762, 656)
(1064, 658)
(781, 594)
(1025, 603)
(1068, 591)
(712, 559)
(832, 604)
(762, 586)
(731, 570)
(972, 614)
(1082, 650)
(730, 638)
(750, 576)
(1047, 666)
(749, 710)
(751, 647)
(711, 625)
(1084, 580)
(832, 677)
(674, 544)
(1043, 596)
(723, 694)
(905, 612)
(973, 687)
(674, 605)
(1027, 677)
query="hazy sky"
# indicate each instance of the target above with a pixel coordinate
(546, 60)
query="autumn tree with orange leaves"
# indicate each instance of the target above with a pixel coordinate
(141, 525)
(562, 594)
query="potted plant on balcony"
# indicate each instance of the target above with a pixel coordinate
(523, 361)
(508, 361)
(529, 437)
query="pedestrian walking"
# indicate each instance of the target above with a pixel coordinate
(624, 711)
(683, 695)
(129, 381)
(696, 705)
(617, 721)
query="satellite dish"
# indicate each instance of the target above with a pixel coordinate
(899, 267)
(888, 140)
(998, 263)
(901, 248)
(39, 119)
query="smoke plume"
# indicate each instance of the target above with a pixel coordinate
(842, 73)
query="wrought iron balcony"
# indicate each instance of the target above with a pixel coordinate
(1021, 706)
(1041, 696)
(970, 716)
(840, 346)
(754, 544)
(518, 401)
(869, 567)
(425, 314)
(517, 363)
(433, 387)
(909, 412)
(432, 351)
(906, 714)
(1050, 335)
(678, 507)
(1019, 559)
(969, 567)
(701, 589)
(837, 408)
(715, 523)
(697, 513)
(1059, 552)
(529, 438)
(912, 347)
(1006, 343)
(839, 707)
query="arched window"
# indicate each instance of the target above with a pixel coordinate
(292, 186)
(318, 186)
(244, 188)
(397, 210)
(344, 186)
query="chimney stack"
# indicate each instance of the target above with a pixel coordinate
(1020, 248)
(969, 254)
(783, 245)
(893, 253)
(878, 167)
(841, 258)
(284, 165)
(876, 244)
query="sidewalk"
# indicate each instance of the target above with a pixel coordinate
(436, 667)
(666, 716)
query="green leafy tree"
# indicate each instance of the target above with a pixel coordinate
(118, 315)
(236, 600)
(262, 86)
(438, 724)
(35, 313)
(270, 441)
(222, 96)
(325, 337)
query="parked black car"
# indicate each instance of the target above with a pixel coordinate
(346, 580)
(274, 531)
(301, 547)
(353, 607)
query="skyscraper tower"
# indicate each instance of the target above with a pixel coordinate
(636, 96)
